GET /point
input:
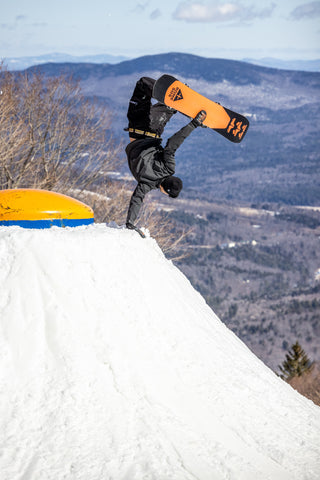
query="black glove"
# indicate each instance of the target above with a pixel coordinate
(133, 227)
(199, 118)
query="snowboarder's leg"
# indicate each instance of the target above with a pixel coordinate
(140, 104)
(144, 116)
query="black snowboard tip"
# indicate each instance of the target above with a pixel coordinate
(161, 86)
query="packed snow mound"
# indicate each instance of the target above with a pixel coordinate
(114, 367)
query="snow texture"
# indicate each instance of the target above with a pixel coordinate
(113, 367)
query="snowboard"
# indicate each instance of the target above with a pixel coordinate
(177, 95)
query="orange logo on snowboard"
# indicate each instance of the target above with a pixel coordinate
(237, 127)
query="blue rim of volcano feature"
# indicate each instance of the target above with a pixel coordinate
(56, 222)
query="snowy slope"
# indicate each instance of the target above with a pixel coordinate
(113, 367)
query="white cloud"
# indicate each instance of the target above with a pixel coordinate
(307, 10)
(217, 11)
(198, 12)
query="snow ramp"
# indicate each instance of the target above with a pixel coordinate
(114, 368)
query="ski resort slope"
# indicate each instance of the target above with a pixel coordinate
(114, 368)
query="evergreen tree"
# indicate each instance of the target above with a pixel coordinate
(296, 363)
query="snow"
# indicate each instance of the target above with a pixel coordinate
(113, 367)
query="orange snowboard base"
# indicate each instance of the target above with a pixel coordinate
(175, 94)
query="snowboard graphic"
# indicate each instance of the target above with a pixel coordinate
(175, 94)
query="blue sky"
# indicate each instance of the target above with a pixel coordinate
(286, 29)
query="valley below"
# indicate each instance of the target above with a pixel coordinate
(258, 267)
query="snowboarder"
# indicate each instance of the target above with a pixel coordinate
(152, 165)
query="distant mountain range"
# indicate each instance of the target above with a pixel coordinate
(279, 159)
(306, 65)
(20, 63)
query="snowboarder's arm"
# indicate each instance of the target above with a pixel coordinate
(136, 201)
(174, 143)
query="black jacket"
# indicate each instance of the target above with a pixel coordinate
(150, 164)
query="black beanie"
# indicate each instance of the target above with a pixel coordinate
(172, 185)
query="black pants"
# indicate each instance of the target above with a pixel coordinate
(142, 115)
